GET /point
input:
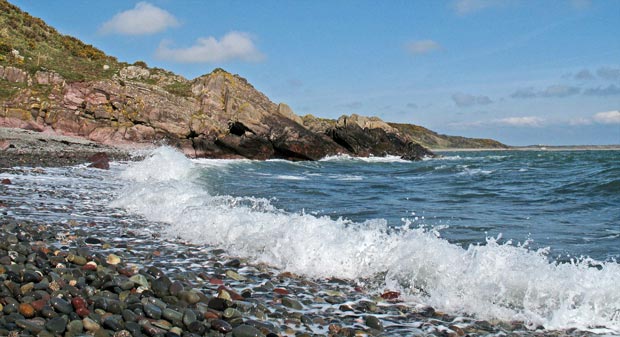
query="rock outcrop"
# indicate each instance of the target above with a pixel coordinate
(223, 116)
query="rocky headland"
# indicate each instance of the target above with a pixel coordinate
(55, 83)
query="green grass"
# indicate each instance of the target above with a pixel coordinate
(43, 48)
(183, 89)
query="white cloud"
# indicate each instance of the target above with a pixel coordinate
(143, 19)
(527, 121)
(466, 100)
(608, 117)
(464, 7)
(422, 47)
(232, 46)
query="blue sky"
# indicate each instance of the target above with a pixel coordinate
(522, 72)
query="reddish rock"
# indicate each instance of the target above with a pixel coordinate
(390, 295)
(78, 303)
(26, 310)
(212, 315)
(100, 160)
(39, 304)
(281, 291)
(82, 312)
(6, 181)
(216, 281)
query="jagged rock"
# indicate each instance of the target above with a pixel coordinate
(226, 118)
(376, 142)
(13, 74)
(365, 123)
(48, 78)
(134, 72)
(286, 111)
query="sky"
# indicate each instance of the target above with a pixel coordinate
(523, 72)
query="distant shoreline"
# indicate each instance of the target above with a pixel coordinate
(536, 148)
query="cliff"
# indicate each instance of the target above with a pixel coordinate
(52, 82)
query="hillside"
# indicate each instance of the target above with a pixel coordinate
(432, 139)
(56, 83)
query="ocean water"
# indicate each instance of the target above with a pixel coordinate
(510, 235)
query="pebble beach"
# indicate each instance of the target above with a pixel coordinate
(117, 276)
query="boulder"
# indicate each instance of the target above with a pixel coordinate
(100, 160)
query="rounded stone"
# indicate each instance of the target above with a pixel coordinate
(26, 310)
(56, 325)
(221, 326)
(61, 305)
(245, 330)
(189, 316)
(292, 303)
(197, 328)
(373, 322)
(152, 311)
(114, 323)
(140, 280)
(90, 325)
(75, 327)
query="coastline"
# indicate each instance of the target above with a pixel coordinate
(534, 148)
(19, 147)
(233, 296)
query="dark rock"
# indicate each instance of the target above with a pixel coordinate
(56, 325)
(189, 316)
(75, 327)
(152, 311)
(197, 328)
(100, 160)
(32, 325)
(92, 241)
(6, 181)
(61, 305)
(245, 330)
(221, 326)
(161, 286)
(114, 322)
(375, 142)
(218, 304)
(373, 322)
(292, 303)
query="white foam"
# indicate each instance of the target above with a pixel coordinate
(489, 281)
(290, 177)
(347, 158)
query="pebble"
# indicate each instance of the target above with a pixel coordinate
(245, 330)
(56, 325)
(292, 303)
(235, 276)
(373, 322)
(26, 310)
(72, 289)
(221, 326)
(113, 259)
(61, 305)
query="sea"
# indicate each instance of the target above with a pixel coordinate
(497, 235)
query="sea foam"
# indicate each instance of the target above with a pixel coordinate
(490, 281)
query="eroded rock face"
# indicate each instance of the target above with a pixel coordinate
(225, 117)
